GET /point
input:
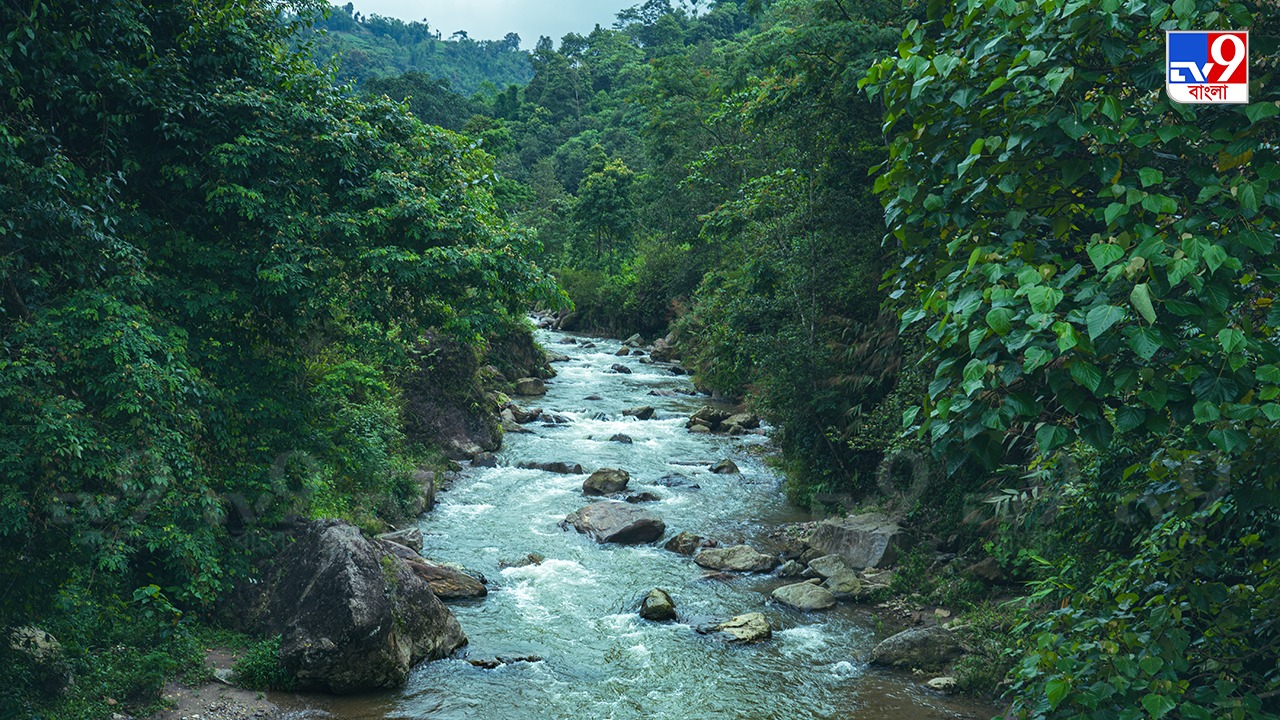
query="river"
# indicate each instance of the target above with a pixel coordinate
(578, 609)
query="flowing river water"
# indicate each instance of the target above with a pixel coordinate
(577, 610)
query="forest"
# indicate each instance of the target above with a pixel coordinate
(966, 259)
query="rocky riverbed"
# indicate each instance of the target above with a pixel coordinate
(626, 554)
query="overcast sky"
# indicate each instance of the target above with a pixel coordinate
(492, 19)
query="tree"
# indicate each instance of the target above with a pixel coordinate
(606, 209)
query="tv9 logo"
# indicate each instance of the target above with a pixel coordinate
(1207, 67)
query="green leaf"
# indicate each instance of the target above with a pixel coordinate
(1261, 111)
(1150, 176)
(1272, 411)
(1231, 340)
(976, 147)
(1268, 374)
(1067, 336)
(1057, 690)
(1044, 299)
(1101, 318)
(1036, 357)
(1206, 412)
(1111, 108)
(1159, 705)
(1113, 211)
(944, 64)
(1104, 255)
(1130, 418)
(976, 336)
(1086, 374)
(1151, 664)
(1160, 204)
(1249, 196)
(1051, 437)
(1140, 298)
(1145, 343)
(1001, 321)
(909, 415)
(1214, 257)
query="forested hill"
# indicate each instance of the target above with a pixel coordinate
(372, 46)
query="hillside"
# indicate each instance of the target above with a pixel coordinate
(373, 46)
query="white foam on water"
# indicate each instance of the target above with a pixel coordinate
(803, 639)
(844, 669)
(463, 509)
(556, 572)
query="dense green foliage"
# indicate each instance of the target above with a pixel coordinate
(1095, 266)
(214, 269)
(368, 47)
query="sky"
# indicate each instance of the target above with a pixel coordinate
(492, 19)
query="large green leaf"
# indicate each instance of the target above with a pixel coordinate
(1141, 300)
(1101, 318)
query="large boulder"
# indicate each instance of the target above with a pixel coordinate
(620, 369)
(805, 596)
(738, 558)
(353, 615)
(864, 541)
(617, 522)
(748, 628)
(606, 481)
(445, 404)
(530, 386)
(43, 654)
(658, 606)
(923, 647)
(744, 421)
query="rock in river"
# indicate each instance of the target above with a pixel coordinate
(562, 468)
(530, 386)
(687, 543)
(644, 412)
(620, 368)
(739, 558)
(658, 606)
(353, 615)
(805, 596)
(921, 647)
(621, 438)
(617, 522)
(725, 467)
(748, 628)
(606, 481)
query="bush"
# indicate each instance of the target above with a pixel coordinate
(259, 667)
